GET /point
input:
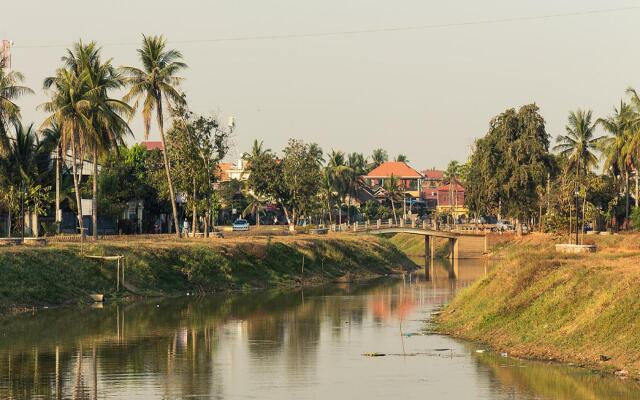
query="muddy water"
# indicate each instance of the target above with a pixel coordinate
(288, 344)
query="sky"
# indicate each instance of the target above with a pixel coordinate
(426, 90)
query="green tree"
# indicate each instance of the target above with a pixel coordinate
(402, 158)
(155, 83)
(509, 164)
(10, 91)
(393, 193)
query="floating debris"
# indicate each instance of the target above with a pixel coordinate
(442, 350)
(373, 354)
(480, 351)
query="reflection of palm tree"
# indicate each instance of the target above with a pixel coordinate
(155, 82)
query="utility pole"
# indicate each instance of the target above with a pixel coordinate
(577, 213)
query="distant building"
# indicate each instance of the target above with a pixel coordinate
(408, 178)
(151, 145)
(432, 180)
(451, 200)
(237, 171)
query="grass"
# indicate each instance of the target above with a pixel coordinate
(541, 304)
(58, 274)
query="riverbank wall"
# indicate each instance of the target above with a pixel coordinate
(61, 274)
(574, 308)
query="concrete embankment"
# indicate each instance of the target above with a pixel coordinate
(59, 274)
(575, 308)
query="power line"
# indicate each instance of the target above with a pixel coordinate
(370, 30)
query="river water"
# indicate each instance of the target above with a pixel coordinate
(286, 344)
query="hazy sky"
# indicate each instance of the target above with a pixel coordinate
(427, 93)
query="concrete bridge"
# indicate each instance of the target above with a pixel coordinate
(462, 244)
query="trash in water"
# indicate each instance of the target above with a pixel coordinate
(504, 354)
(373, 354)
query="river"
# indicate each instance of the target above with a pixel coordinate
(280, 344)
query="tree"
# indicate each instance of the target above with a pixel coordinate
(255, 207)
(155, 82)
(10, 91)
(393, 193)
(378, 156)
(615, 147)
(402, 158)
(108, 127)
(632, 149)
(509, 164)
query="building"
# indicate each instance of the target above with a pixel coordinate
(151, 145)
(432, 180)
(231, 171)
(451, 200)
(408, 178)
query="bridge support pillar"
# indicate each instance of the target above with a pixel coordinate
(453, 246)
(428, 254)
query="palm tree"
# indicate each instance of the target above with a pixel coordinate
(378, 156)
(633, 146)
(69, 107)
(339, 177)
(357, 164)
(393, 193)
(52, 136)
(402, 158)
(255, 207)
(10, 90)
(155, 82)
(108, 125)
(257, 151)
(579, 145)
(615, 147)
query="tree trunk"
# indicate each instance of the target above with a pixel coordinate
(76, 186)
(395, 216)
(94, 200)
(58, 167)
(167, 170)
(206, 224)
(628, 199)
(194, 209)
(637, 182)
(257, 216)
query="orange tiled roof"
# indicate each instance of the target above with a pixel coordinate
(457, 187)
(224, 170)
(433, 174)
(152, 145)
(395, 168)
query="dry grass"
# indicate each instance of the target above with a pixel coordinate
(573, 308)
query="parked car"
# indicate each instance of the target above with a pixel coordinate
(241, 225)
(504, 225)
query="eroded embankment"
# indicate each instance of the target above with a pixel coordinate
(58, 274)
(536, 303)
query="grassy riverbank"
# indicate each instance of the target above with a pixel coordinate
(572, 308)
(58, 274)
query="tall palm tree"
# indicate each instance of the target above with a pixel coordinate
(257, 151)
(633, 146)
(10, 91)
(402, 158)
(256, 206)
(52, 135)
(106, 114)
(157, 82)
(580, 144)
(615, 147)
(339, 177)
(69, 107)
(393, 193)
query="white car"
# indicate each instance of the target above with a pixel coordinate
(504, 225)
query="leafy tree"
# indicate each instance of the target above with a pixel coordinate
(155, 83)
(509, 164)
(402, 158)
(393, 194)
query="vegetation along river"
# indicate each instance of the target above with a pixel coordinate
(284, 344)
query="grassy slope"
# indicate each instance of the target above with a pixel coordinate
(58, 274)
(413, 245)
(541, 304)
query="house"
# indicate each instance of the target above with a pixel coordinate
(150, 145)
(408, 178)
(451, 200)
(231, 171)
(432, 180)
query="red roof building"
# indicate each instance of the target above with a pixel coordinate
(152, 145)
(409, 179)
(433, 179)
(451, 195)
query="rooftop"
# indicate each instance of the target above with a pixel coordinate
(395, 168)
(433, 174)
(152, 145)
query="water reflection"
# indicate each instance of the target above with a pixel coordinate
(275, 344)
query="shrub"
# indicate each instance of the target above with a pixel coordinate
(635, 218)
